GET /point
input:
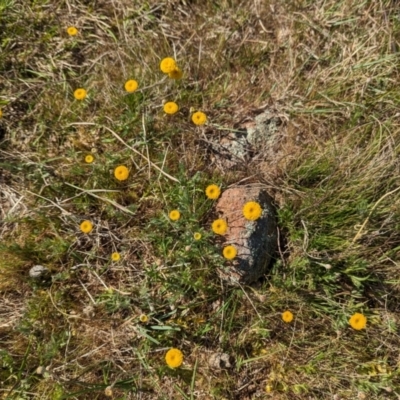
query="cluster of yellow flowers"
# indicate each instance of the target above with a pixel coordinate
(251, 211)
(168, 66)
(357, 321)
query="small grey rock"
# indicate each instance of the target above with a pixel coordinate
(220, 361)
(39, 272)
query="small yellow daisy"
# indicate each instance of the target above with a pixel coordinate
(252, 210)
(199, 118)
(89, 159)
(72, 31)
(287, 316)
(174, 358)
(174, 215)
(176, 74)
(115, 256)
(121, 173)
(131, 85)
(197, 236)
(171, 108)
(213, 192)
(219, 226)
(86, 226)
(358, 321)
(143, 318)
(168, 65)
(229, 252)
(80, 94)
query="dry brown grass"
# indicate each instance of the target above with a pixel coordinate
(327, 69)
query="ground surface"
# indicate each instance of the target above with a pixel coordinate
(328, 69)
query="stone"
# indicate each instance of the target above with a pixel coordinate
(260, 136)
(39, 272)
(255, 241)
(219, 361)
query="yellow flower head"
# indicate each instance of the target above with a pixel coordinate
(89, 159)
(219, 226)
(229, 252)
(143, 318)
(121, 173)
(358, 321)
(80, 94)
(131, 85)
(197, 236)
(174, 358)
(108, 392)
(176, 74)
(213, 192)
(252, 211)
(86, 226)
(199, 118)
(287, 316)
(168, 65)
(115, 256)
(72, 31)
(174, 215)
(171, 108)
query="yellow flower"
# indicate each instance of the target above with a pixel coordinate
(268, 388)
(197, 236)
(108, 391)
(80, 94)
(229, 252)
(287, 316)
(168, 65)
(174, 358)
(199, 118)
(174, 215)
(219, 226)
(86, 226)
(115, 256)
(131, 85)
(89, 159)
(143, 318)
(1, 113)
(213, 192)
(121, 173)
(358, 321)
(72, 31)
(252, 210)
(171, 107)
(176, 74)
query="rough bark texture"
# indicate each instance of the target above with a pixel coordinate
(256, 241)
